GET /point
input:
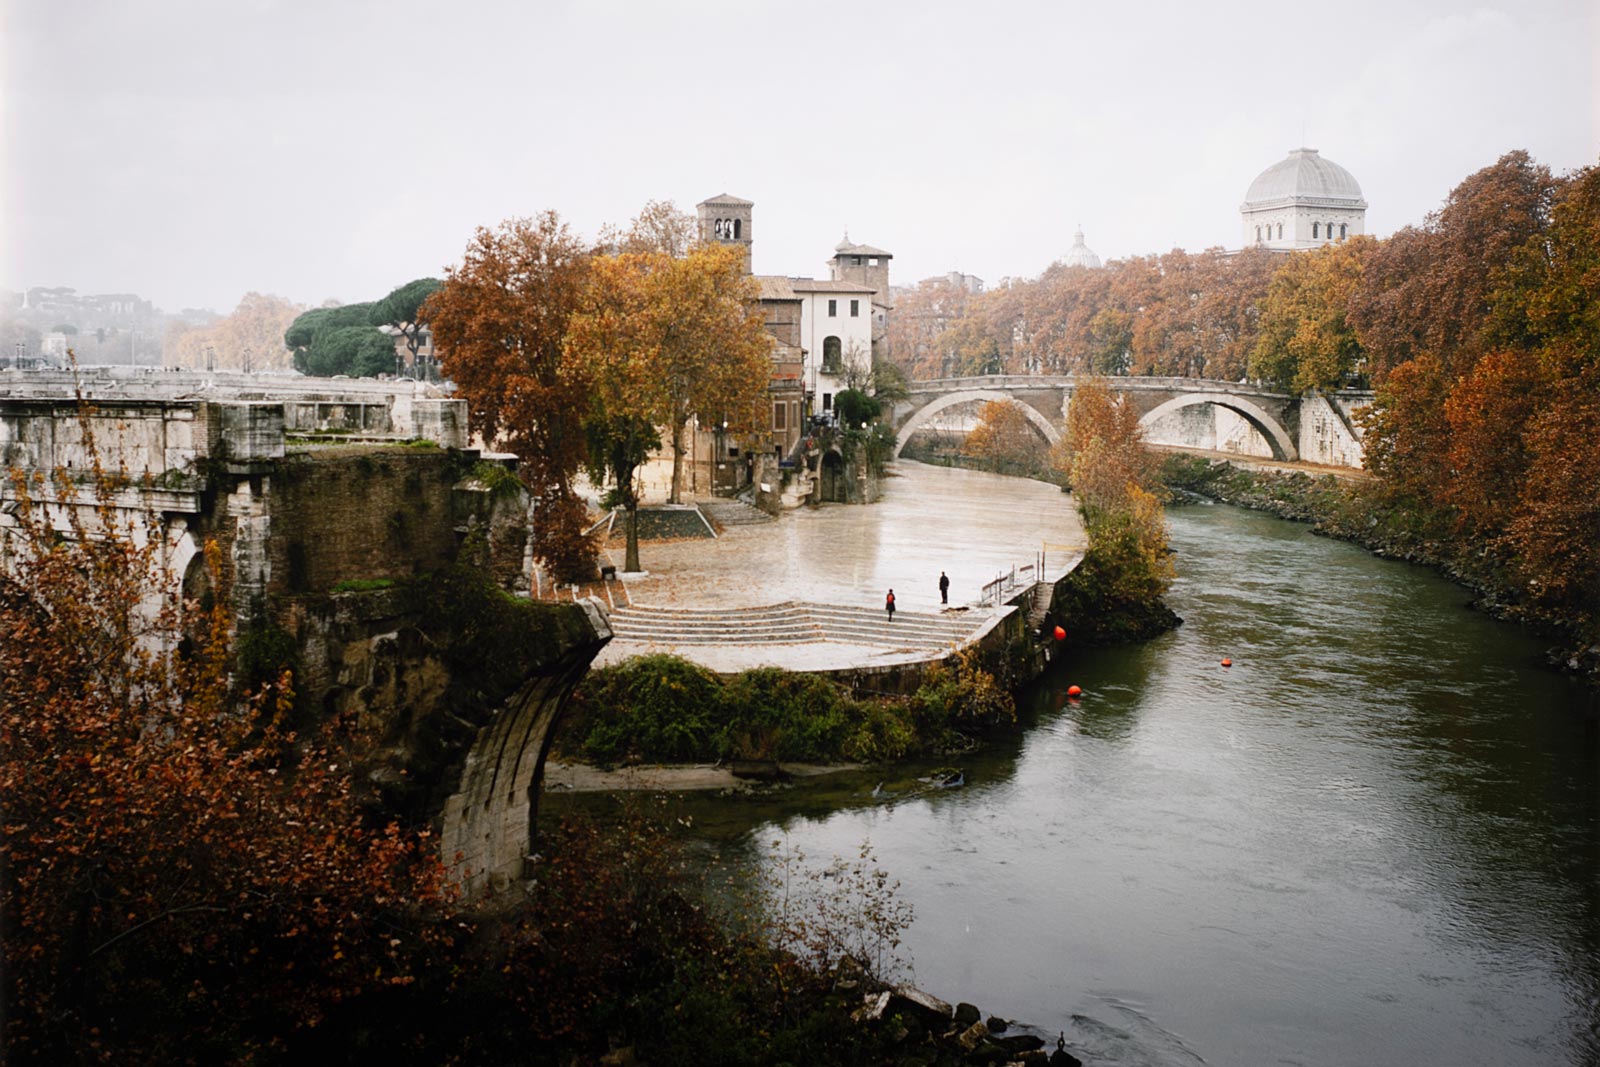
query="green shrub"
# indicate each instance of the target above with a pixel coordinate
(770, 713)
(961, 697)
(658, 706)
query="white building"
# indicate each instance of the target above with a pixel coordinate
(836, 331)
(1302, 202)
(1080, 254)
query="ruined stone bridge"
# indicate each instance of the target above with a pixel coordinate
(330, 502)
(1182, 412)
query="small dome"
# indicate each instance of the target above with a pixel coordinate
(1304, 176)
(1080, 254)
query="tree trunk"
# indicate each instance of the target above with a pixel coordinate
(677, 458)
(631, 562)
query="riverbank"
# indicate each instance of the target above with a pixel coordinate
(1348, 510)
(678, 777)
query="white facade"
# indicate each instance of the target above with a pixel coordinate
(1080, 254)
(836, 333)
(1302, 201)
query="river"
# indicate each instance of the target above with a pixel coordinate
(1375, 839)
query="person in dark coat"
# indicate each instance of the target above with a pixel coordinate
(944, 588)
(888, 604)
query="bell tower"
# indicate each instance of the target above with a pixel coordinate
(726, 220)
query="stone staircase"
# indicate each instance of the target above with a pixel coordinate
(794, 623)
(1043, 594)
(734, 513)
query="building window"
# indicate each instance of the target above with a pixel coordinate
(831, 355)
(780, 416)
(737, 226)
(1258, 233)
(855, 261)
(827, 401)
(872, 261)
(1280, 231)
(1313, 231)
(1342, 226)
(855, 309)
(833, 309)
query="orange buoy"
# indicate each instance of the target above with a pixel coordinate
(1227, 662)
(1061, 635)
(1074, 691)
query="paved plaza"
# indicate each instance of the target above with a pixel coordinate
(972, 526)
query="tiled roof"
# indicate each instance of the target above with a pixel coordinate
(775, 287)
(726, 200)
(809, 285)
(845, 248)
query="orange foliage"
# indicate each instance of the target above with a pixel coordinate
(1488, 412)
(184, 879)
(498, 325)
(1004, 440)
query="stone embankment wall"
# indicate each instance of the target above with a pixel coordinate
(456, 685)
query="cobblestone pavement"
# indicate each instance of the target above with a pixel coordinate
(972, 526)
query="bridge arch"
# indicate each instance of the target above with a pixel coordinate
(1278, 439)
(924, 415)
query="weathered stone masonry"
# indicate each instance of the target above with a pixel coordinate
(460, 684)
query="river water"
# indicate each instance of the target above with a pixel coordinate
(1375, 839)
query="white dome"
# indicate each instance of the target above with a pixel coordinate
(1304, 176)
(1080, 254)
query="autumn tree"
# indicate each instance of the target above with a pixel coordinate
(1005, 441)
(920, 316)
(609, 347)
(658, 228)
(968, 348)
(1117, 591)
(251, 338)
(183, 879)
(1306, 341)
(1429, 289)
(712, 352)
(499, 325)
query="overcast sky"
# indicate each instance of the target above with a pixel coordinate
(193, 150)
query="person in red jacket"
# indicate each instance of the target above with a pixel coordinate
(888, 604)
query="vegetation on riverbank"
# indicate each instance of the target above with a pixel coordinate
(1116, 593)
(185, 879)
(661, 708)
(1369, 514)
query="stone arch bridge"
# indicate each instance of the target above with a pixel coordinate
(1317, 428)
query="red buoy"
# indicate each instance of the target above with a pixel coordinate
(1227, 662)
(1061, 635)
(1074, 691)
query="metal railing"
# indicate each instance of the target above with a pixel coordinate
(1007, 582)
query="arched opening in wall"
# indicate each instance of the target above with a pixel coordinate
(1258, 233)
(1280, 231)
(1314, 234)
(1342, 228)
(831, 479)
(832, 355)
(738, 227)
(197, 588)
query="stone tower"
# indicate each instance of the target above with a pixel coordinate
(868, 266)
(726, 220)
